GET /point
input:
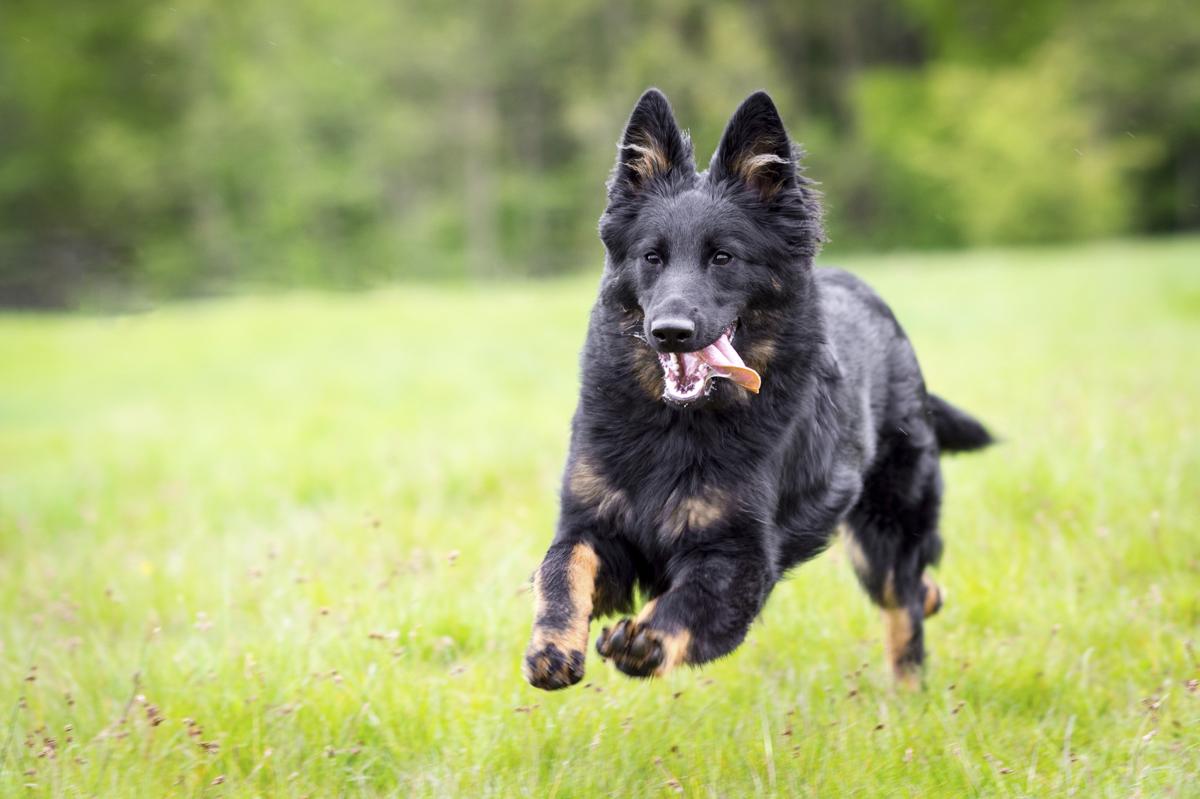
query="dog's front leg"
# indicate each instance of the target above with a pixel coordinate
(564, 587)
(714, 597)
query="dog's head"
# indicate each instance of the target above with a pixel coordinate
(697, 261)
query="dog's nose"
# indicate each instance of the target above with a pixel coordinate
(673, 333)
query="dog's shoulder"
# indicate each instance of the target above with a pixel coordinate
(847, 295)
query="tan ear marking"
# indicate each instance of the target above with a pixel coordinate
(651, 159)
(751, 162)
(749, 165)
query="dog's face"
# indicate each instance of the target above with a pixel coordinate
(690, 255)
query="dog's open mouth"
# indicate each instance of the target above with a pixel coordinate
(687, 376)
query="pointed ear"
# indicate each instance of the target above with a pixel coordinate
(755, 149)
(652, 145)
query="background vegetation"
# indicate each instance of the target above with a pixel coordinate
(153, 149)
(275, 547)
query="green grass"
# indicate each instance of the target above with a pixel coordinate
(305, 524)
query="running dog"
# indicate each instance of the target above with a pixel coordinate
(738, 406)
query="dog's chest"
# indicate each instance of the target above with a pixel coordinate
(674, 502)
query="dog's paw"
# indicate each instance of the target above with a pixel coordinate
(641, 651)
(909, 678)
(550, 668)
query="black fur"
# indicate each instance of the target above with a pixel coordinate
(706, 506)
(956, 431)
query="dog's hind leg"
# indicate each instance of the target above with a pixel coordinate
(892, 538)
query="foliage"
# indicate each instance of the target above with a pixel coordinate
(265, 547)
(971, 156)
(162, 149)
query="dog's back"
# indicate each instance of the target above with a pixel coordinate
(881, 379)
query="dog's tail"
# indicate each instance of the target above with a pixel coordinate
(956, 430)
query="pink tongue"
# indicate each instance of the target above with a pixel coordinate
(725, 361)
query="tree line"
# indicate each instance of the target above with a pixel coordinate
(155, 149)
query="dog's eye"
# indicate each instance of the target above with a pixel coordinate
(721, 258)
(653, 258)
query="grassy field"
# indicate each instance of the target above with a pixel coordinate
(279, 546)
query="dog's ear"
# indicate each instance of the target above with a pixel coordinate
(755, 149)
(651, 147)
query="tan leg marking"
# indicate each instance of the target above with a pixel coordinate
(675, 645)
(646, 612)
(889, 591)
(675, 649)
(897, 632)
(934, 595)
(551, 653)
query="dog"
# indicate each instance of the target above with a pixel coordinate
(738, 407)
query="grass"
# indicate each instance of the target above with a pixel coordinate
(279, 546)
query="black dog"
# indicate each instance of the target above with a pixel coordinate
(702, 477)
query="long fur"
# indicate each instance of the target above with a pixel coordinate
(704, 508)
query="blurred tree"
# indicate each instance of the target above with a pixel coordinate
(169, 149)
(968, 156)
(1138, 65)
(85, 101)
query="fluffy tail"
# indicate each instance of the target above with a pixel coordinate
(956, 430)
